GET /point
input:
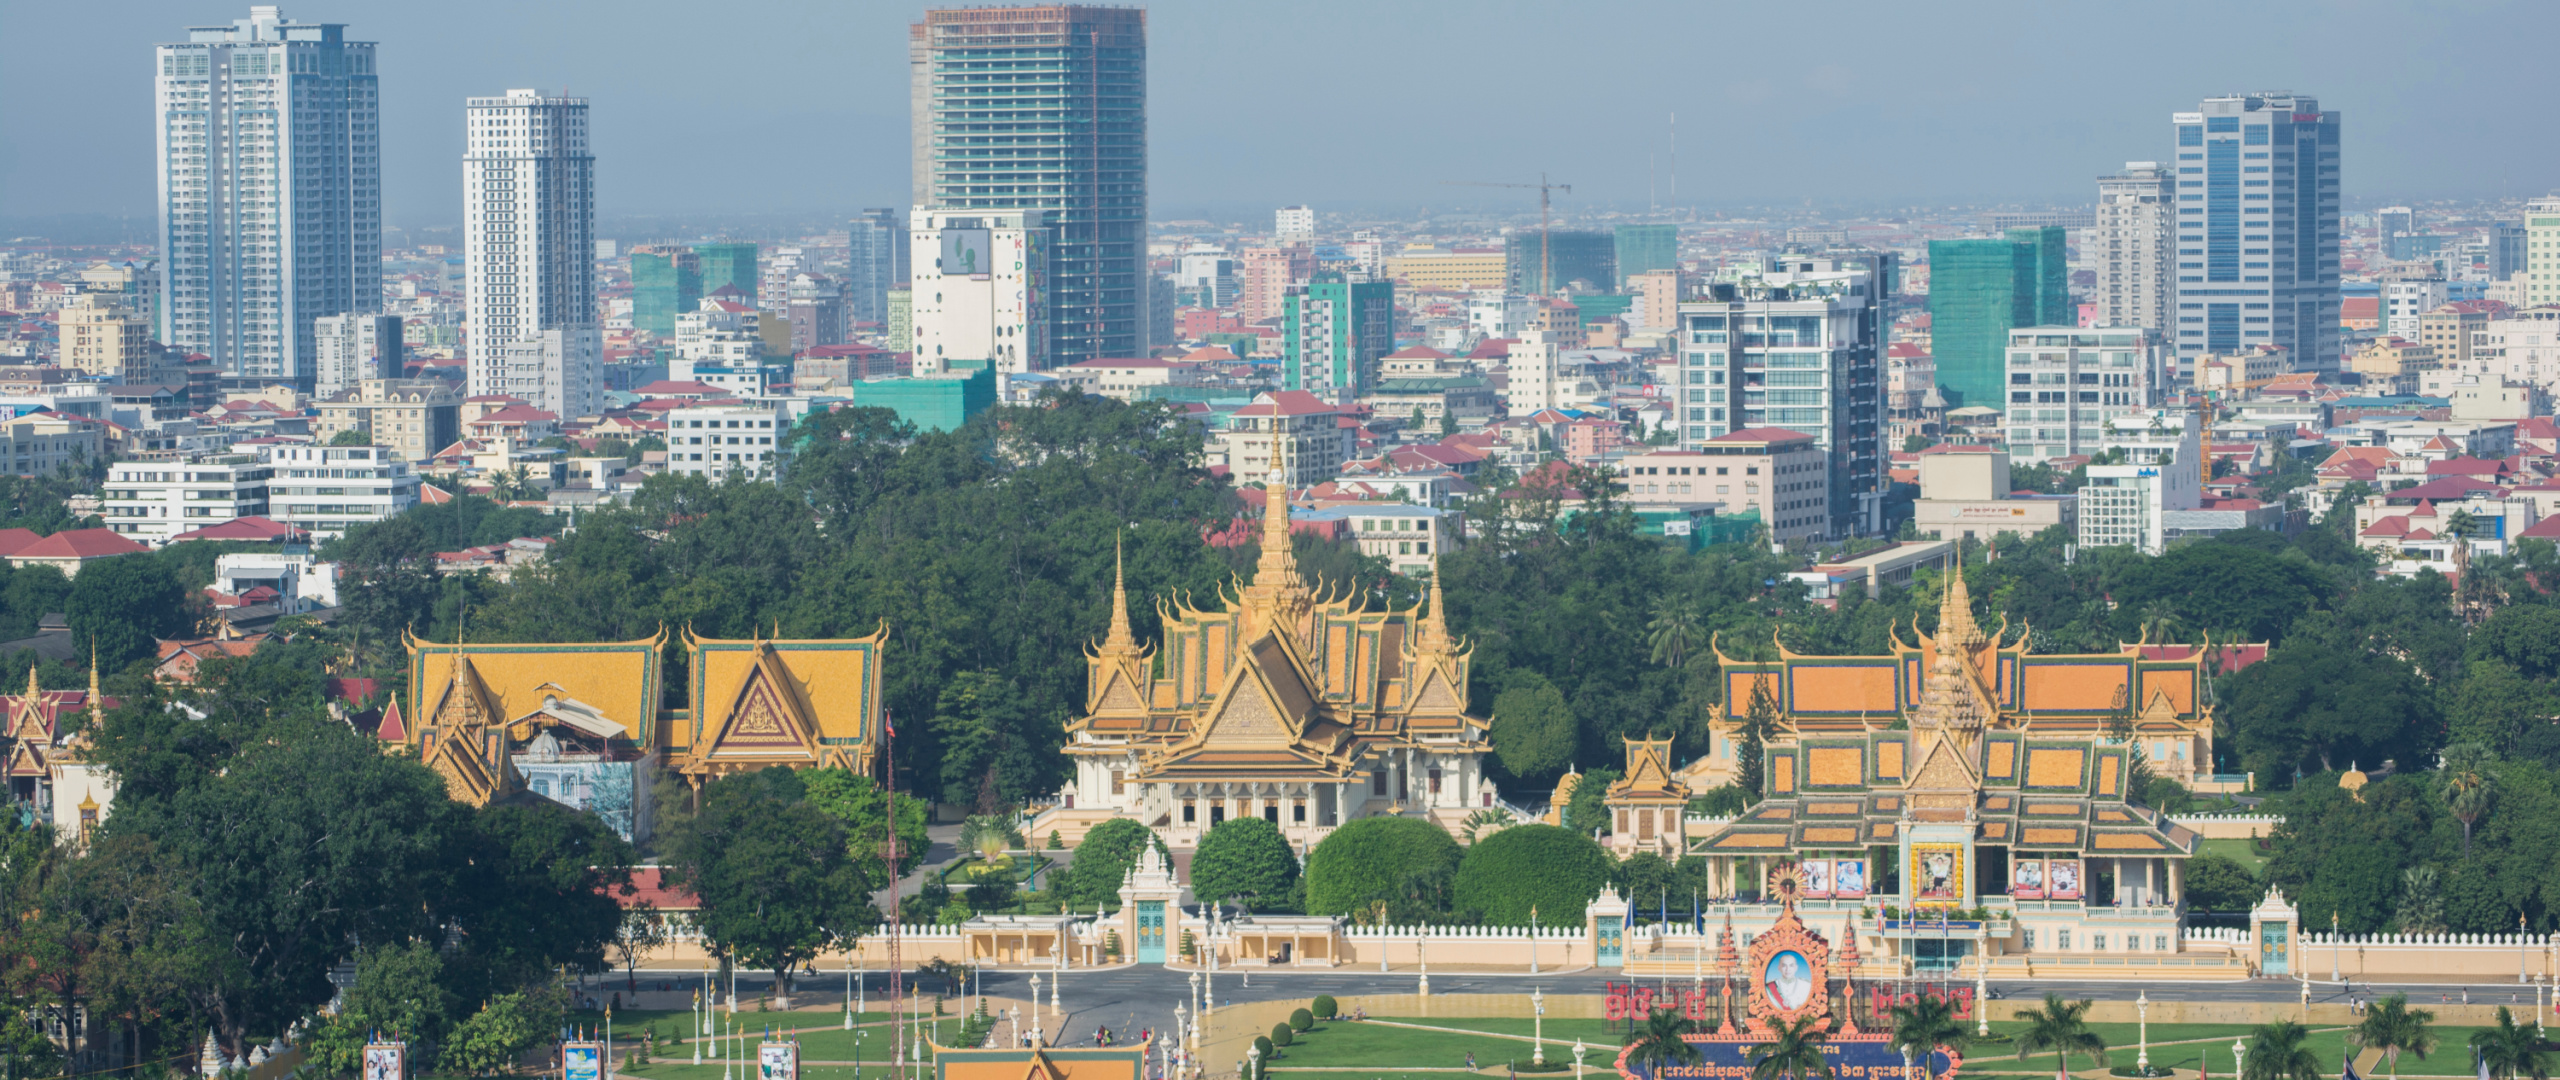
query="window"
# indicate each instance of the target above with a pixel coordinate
(1190, 812)
(1119, 781)
(1378, 782)
(2062, 939)
(1435, 781)
(2027, 940)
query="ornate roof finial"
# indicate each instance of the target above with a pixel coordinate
(93, 677)
(1120, 632)
(1434, 635)
(1955, 610)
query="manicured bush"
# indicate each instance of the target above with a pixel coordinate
(1281, 1035)
(1263, 1043)
(1525, 867)
(1301, 1020)
(1324, 1007)
(1244, 859)
(1406, 862)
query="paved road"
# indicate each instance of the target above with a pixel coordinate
(1131, 999)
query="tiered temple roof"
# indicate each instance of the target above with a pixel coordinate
(1284, 682)
(1964, 726)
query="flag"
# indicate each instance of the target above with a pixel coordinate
(889, 720)
(1697, 919)
(2347, 1068)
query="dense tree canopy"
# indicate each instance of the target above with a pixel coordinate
(1404, 867)
(1526, 868)
(1246, 860)
(776, 880)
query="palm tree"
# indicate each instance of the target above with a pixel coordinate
(2510, 1051)
(1675, 630)
(2467, 787)
(1658, 1042)
(2391, 1026)
(989, 835)
(1923, 1026)
(2277, 1051)
(2063, 1029)
(1793, 1052)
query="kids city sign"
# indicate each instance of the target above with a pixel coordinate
(1851, 1057)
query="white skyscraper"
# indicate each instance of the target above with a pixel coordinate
(2131, 244)
(528, 194)
(270, 190)
(1294, 225)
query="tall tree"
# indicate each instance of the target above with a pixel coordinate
(2393, 1028)
(1244, 860)
(1659, 1043)
(2511, 1051)
(775, 879)
(1924, 1025)
(2062, 1029)
(1534, 734)
(1793, 1052)
(2280, 1051)
(123, 604)
(2468, 787)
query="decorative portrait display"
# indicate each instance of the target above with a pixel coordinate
(1817, 878)
(1788, 980)
(581, 1061)
(1789, 964)
(1937, 874)
(778, 1061)
(383, 1061)
(1849, 879)
(2026, 879)
(2062, 879)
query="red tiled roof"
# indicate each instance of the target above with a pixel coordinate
(649, 886)
(79, 544)
(517, 414)
(257, 529)
(1285, 403)
(1418, 352)
(13, 541)
(2448, 487)
(2545, 529)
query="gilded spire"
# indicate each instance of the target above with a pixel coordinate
(94, 707)
(32, 688)
(1121, 636)
(1955, 611)
(1433, 633)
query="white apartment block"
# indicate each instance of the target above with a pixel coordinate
(2129, 504)
(1494, 313)
(270, 169)
(528, 195)
(722, 441)
(2542, 252)
(41, 445)
(151, 501)
(2130, 244)
(328, 489)
(2403, 302)
(2065, 383)
(354, 348)
(1795, 343)
(1294, 225)
(1534, 377)
(980, 289)
(2524, 350)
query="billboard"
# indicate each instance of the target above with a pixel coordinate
(582, 1061)
(386, 1061)
(968, 252)
(2062, 879)
(778, 1061)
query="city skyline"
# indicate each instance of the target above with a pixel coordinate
(1868, 98)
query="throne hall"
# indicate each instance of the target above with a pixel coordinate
(1288, 701)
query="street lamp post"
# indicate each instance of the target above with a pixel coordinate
(848, 994)
(2333, 946)
(2239, 1057)
(2142, 1055)
(1253, 1059)
(2524, 950)
(1538, 1026)
(1578, 1051)
(2306, 997)
(1035, 1006)
(1422, 957)
(1981, 981)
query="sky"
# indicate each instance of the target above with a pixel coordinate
(800, 106)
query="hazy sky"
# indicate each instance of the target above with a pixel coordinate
(751, 106)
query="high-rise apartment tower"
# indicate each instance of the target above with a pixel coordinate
(1044, 108)
(2130, 245)
(270, 190)
(528, 194)
(2258, 229)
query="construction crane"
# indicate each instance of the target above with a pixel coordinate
(1546, 262)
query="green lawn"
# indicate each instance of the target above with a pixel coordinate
(1345, 1043)
(2243, 851)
